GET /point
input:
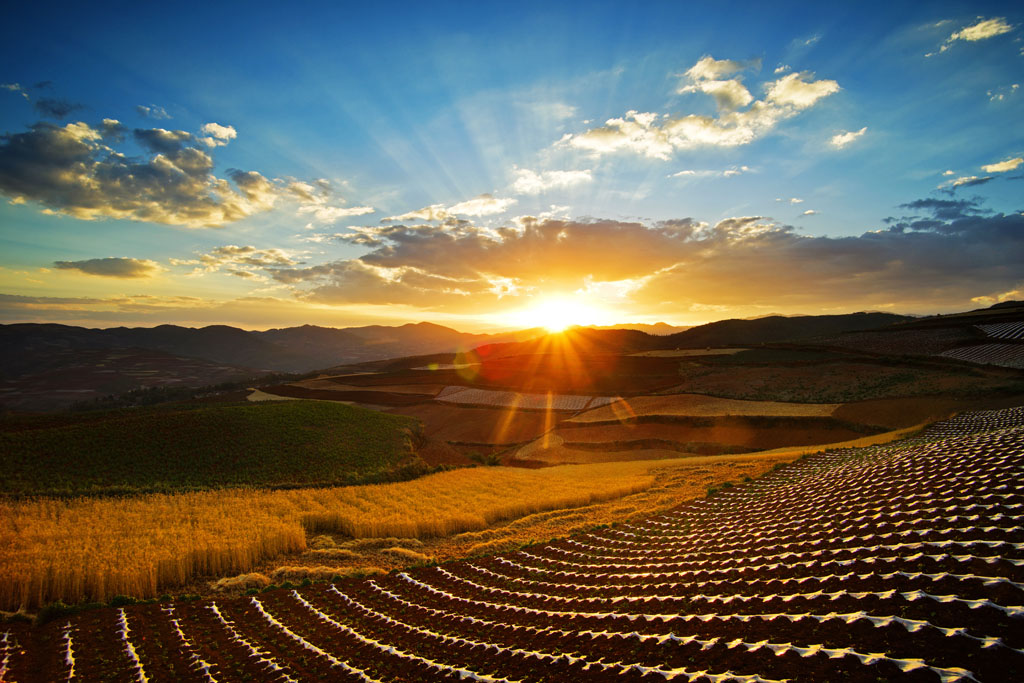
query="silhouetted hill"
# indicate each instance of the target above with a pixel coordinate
(777, 329)
(660, 329)
(27, 347)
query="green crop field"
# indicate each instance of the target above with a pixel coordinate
(177, 448)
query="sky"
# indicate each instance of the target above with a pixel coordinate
(500, 165)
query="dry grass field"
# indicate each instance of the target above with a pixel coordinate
(94, 548)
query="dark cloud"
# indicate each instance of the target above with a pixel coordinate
(160, 141)
(113, 266)
(945, 209)
(55, 108)
(152, 112)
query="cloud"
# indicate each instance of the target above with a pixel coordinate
(484, 205)
(795, 91)
(949, 172)
(54, 108)
(249, 312)
(1000, 94)
(982, 30)
(70, 170)
(532, 182)
(708, 68)
(840, 140)
(217, 135)
(74, 170)
(741, 119)
(161, 141)
(810, 212)
(950, 186)
(791, 200)
(237, 260)
(727, 173)
(729, 95)
(707, 76)
(319, 201)
(16, 88)
(49, 107)
(434, 212)
(1003, 166)
(944, 253)
(113, 266)
(152, 112)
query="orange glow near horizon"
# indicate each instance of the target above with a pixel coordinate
(557, 313)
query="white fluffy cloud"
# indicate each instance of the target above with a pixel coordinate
(840, 140)
(795, 91)
(484, 205)
(217, 135)
(1003, 166)
(319, 201)
(727, 173)
(532, 182)
(740, 121)
(982, 30)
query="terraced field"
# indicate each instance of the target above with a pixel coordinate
(897, 562)
(1003, 355)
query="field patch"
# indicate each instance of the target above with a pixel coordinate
(368, 395)
(519, 401)
(840, 382)
(474, 425)
(341, 384)
(710, 435)
(682, 353)
(287, 443)
(699, 405)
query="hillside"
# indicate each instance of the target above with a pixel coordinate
(850, 565)
(175, 448)
(775, 329)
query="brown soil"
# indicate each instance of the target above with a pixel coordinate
(841, 382)
(435, 453)
(446, 422)
(895, 413)
(700, 405)
(727, 432)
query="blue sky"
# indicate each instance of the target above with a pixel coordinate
(476, 164)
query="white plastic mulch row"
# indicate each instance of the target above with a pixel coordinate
(1010, 330)
(1003, 355)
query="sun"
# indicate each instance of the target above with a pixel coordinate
(557, 313)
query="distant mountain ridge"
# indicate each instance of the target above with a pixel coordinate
(26, 347)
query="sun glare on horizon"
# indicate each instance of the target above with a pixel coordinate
(557, 313)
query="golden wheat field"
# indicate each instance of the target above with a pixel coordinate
(96, 548)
